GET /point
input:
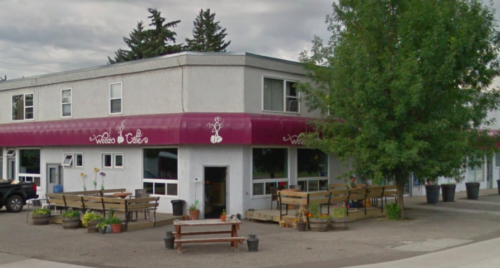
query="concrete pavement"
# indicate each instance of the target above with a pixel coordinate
(477, 255)
(15, 261)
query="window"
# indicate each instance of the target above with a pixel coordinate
(106, 161)
(118, 161)
(115, 97)
(269, 169)
(22, 107)
(280, 96)
(497, 159)
(160, 171)
(475, 174)
(29, 166)
(312, 169)
(67, 99)
(79, 160)
(68, 160)
(11, 153)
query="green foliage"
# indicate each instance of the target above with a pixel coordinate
(404, 86)
(101, 225)
(340, 210)
(90, 216)
(223, 212)
(41, 211)
(393, 211)
(315, 211)
(70, 213)
(114, 220)
(111, 213)
(147, 43)
(193, 206)
(208, 36)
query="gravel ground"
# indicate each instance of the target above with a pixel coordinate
(366, 241)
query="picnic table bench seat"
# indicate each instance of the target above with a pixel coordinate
(236, 240)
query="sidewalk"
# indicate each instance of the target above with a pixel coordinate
(15, 261)
(477, 255)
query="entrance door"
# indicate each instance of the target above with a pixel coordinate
(54, 177)
(11, 168)
(215, 191)
(489, 175)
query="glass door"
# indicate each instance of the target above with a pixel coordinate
(11, 168)
(53, 177)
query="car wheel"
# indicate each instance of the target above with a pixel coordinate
(15, 203)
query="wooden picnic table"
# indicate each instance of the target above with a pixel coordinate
(233, 239)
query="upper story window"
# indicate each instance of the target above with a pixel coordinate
(115, 98)
(67, 99)
(22, 107)
(280, 96)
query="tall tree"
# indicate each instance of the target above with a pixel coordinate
(147, 43)
(208, 36)
(406, 84)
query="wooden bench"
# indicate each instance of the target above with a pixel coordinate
(235, 240)
(303, 199)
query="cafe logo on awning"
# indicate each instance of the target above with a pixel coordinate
(216, 126)
(129, 138)
(294, 139)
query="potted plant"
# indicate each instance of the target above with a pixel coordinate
(432, 191)
(116, 225)
(194, 212)
(472, 190)
(301, 220)
(71, 219)
(102, 227)
(339, 217)
(90, 220)
(317, 221)
(41, 216)
(223, 216)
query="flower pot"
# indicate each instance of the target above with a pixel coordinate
(223, 218)
(117, 228)
(194, 214)
(91, 227)
(472, 190)
(186, 217)
(432, 193)
(41, 219)
(318, 225)
(287, 225)
(109, 229)
(301, 226)
(102, 230)
(339, 223)
(252, 243)
(448, 191)
(71, 222)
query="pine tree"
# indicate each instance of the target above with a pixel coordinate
(150, 42)
(208, 36)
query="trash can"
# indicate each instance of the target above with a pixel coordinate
(58, 188)
(177, 207)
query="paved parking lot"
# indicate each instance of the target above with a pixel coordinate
(367, 241)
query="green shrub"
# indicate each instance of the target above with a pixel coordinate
(70, 214)
(90, 216)
(114, 220)
(393, 211)
(41, 211)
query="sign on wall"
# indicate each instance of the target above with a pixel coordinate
(129, 138)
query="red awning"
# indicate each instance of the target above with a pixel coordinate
(161, 129)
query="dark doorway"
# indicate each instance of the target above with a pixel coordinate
(215, 191)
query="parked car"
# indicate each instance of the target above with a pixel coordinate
(14, 196)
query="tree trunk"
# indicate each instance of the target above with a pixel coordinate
(400, 184)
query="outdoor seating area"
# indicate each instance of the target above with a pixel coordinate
(102, 201)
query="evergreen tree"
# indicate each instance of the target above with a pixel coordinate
(208, 36)
(406, 84)
(147, 43)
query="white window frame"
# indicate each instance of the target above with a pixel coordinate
(70, 162)
(24, 176)
(102, 161)
(121, 99)
(114, 161)
(11, 153)
(66, 103)
(165, 181)
(264, 181)
(284, 95)
(315, 178)
(75, 162)
(481, 167)
(497, 160)
(25, 107)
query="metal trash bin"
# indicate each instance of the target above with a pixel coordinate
(177, 207)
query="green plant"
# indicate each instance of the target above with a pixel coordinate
(41, 211)
(340, 210)
(70, 214)
(193, 206)
(315, 211)
(114, 220)
(224, 212)
(90, 216)
(111, 213)
(393, 211)
(102, 225)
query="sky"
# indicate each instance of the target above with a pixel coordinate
(46, 36)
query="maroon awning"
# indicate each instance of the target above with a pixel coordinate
(161, 129)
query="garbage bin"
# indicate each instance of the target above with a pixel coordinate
(177, 207)
(58, 188)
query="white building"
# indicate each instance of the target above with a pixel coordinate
(217, 127)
